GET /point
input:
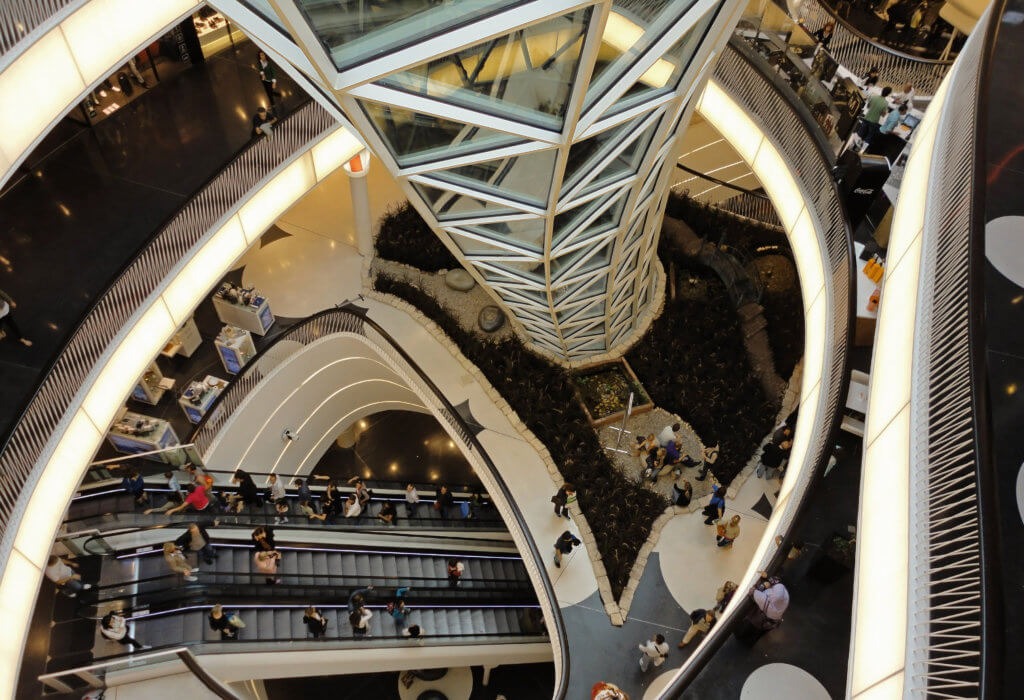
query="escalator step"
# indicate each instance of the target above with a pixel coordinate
(348, 565)
(402, 568)
(477, 621)
(283, 623)
(454, 621)
(441, 622)
(334, 564)
(375, 569)
(362, 568)
(512, 615)
(320, 563)
(298, 627)
(391, 567)
(416, 571)
(304, 563)
(192, 626)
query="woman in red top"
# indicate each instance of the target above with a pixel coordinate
(197, 498)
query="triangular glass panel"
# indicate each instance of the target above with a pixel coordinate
(583, 154)
(453, 205)
(526, 76)
(474, 246)
(593, 257)
(587, 290)
(664, 76)
(526, 233)
(597, 215)
(626, 162)
(414, 138)
(526, 178)
(631, 29)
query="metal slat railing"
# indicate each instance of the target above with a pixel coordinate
(57, 389)
(946, 601)
(779, 120)
(20, 18)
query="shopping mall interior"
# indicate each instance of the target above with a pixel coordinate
(508, 349)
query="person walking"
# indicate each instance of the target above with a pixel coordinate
(715, 508)
(655, 651)
(303, 494)
(198, 498)
(455, 570)
(315, 622)
(263, 122)
(248, 493)
(566, 492)
(267, 563)
(700, 621)
(398, 610)
(227, 625)
(196, 539)
(356, 598)
(710, 456)
(727, 533)
(114, 627)
(65, 574)
(177, 562)
(771, 458)
(563, 545)
(268, 76)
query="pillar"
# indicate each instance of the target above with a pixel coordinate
(357, 168)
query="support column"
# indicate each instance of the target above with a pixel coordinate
(357, 168)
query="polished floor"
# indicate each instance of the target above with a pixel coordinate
(85, 209)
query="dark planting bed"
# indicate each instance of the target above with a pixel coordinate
(604, 391)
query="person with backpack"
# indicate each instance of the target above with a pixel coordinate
(227, 625)
(566, 493)
(728, 532)
(563, 545)
(315, 622)
(700, 621)
(398, 610)
(455, 571)
(655, 651)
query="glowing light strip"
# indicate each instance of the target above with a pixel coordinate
(141, 340)
(878, 637)
(222, 545)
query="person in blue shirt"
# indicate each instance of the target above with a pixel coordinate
(355, 598)
(715, 509)
(398, 609)
(136, 486)
(893, 119)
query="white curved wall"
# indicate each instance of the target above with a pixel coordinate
(317, 392)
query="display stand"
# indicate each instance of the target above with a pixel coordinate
(235, 348)
(135, 433)
(253, 315)
(148, 389)
(199, 396)
(184, 341)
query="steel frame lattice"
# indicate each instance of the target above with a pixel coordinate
(581, 283)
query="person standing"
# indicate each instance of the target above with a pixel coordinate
(277, 494)
(655, 651)
(398, 610)
(724, 595)
(710, 456)
(355, 598)
(263, 122)
(387, 512)
(134, 484)
(177, 562)
(563, 545)
(443, 500)
(268, 76)
(64, 573)
(412, 500)
(7, 324)
(771, 597)
(315, 622)
(248, 493)
(360, 621)
(823, 37)
(196, 539)
(877, 105)
(266, 564)
(227, 625)
(771, 458)
(114, 627)
(728, 532)
(561, 499)
(263, 539)
(455, 570)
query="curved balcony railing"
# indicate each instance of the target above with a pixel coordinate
(354, 322)
(45, 409)
(858, 53)
(778, 118)
(20, 18)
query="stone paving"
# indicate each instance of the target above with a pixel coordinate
(653, 422)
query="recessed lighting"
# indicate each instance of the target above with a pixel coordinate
(451, 444)
(362, 424)
(394, 466)
(1011, 388)
(1017, 299)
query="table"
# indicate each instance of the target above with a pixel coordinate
(196, 400)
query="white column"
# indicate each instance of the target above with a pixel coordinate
(357, 168)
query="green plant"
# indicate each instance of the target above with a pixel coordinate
(693, 363)
(606, 391)
(620, 511)
(403, 236)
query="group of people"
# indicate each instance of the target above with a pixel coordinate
(884, 109)
(666, 450)
(199, 495)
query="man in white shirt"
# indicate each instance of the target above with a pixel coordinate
(412, 500)
(654, 652)
(670, 433)
(772, 598)
(277, 490)
(63, 574)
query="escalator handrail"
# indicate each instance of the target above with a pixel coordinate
(467, 434)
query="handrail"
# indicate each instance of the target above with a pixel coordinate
(40, 418)
(87, 673)
(773, 109)
(877, 43)
(858, 53)
(723, 183)
(352, 320)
